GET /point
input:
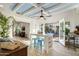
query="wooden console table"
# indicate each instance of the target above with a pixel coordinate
(20, 51)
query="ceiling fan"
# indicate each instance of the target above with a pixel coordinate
(42, 15)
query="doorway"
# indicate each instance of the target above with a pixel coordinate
(22, 29)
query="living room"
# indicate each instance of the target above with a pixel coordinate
(32, 22)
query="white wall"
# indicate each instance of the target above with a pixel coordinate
(33, 23)
(34, 27)
(71, 16)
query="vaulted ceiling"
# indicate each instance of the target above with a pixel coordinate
(33, 9)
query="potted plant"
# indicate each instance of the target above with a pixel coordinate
(5, 42)
(67, 31)
(4, 26)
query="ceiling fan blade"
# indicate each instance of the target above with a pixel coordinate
(35, 17)
(49, 16)
(38, 18)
